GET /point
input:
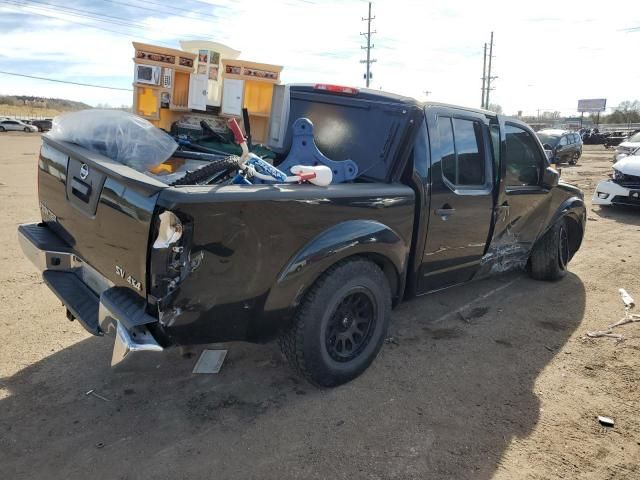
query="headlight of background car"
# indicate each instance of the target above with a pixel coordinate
(617, 176)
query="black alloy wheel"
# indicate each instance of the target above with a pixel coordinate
(351, 325)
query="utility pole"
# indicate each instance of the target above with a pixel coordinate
(489, 77)
(369, 46)
(484, 74)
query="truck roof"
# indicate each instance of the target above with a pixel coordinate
(383, 96)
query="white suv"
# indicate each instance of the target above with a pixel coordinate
(628, 147)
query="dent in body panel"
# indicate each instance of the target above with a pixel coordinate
(256, 255)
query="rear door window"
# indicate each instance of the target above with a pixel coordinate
(447, 149)
(461, 152)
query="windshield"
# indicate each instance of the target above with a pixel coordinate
(548, 139)
(634, 138)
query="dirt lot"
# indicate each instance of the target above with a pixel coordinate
(508, 389)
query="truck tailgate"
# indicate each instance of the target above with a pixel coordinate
(101, 208)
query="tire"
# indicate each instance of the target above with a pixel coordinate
(550, 255)
(27, 130)
(574, 159)
(351, 297)
(2, 129)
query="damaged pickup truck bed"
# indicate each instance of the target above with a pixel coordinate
(444, 195)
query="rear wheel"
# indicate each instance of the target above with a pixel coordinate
(574, 158)
(340, 325)
(551, 254)
(2, 129)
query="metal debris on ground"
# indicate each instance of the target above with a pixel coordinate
(210, 361)
(605, 421)
(629, 317)
(93, 392)
(626, 298)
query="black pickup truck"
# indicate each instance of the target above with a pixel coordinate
(444, 195)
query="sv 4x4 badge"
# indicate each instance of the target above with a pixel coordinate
(130, 280)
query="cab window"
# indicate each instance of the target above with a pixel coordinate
(461, 152)
(523, 160)
(563, 141)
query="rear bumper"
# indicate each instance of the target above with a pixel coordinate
(88, 296)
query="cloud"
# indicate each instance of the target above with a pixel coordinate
(547, 55)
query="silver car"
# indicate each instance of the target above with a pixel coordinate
(7, 125)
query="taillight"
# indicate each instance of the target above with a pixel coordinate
(169, 230)
(336, 89)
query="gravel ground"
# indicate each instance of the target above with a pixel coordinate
(494, 379)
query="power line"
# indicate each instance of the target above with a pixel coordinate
(77, 13)
(66, 81)
(177, 13)
(368, 34)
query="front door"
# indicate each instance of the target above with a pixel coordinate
(461, 197)
(523, 202)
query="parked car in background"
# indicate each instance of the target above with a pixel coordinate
(42, 125)
(593, 136)
(8, 125)
(613, 139)
(623, 188)
(561, 146)
(628, 147)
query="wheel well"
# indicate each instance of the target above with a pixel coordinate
(575, 234)
(389, 270)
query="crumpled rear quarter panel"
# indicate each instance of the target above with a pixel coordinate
(247, 235)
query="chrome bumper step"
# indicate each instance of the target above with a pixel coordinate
(76, 296)
(92, 299)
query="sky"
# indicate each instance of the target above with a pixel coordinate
(547, 54)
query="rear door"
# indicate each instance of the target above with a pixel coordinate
(461, 197)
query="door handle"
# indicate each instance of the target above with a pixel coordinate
(445, 212)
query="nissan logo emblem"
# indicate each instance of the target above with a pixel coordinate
(84, 171)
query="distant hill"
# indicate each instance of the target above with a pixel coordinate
(27, 107)
(41, 102)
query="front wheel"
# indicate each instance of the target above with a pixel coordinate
(26, 129)
(2, 129)
(551, 253)
(340, 325)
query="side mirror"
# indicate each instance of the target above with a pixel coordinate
(550, 178)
